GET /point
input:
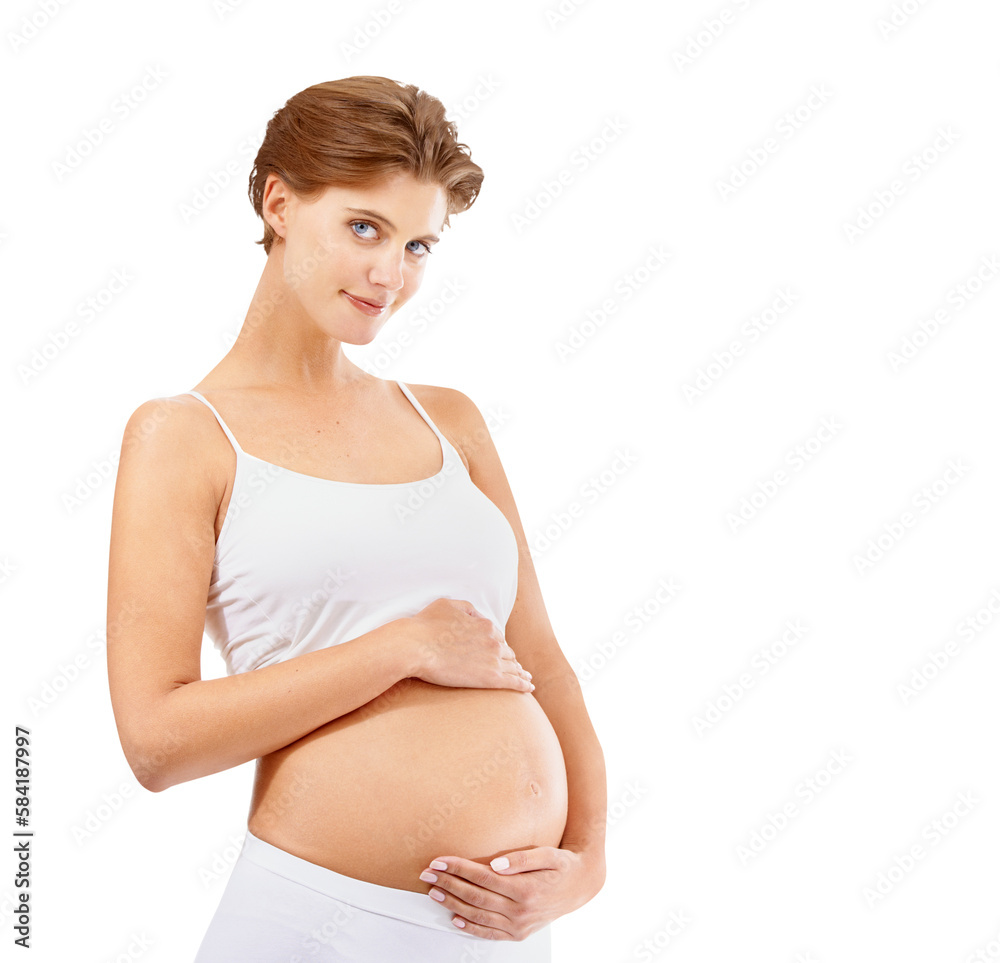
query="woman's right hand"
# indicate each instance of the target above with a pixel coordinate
(458, 646)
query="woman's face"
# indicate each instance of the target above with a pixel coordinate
(356, 255)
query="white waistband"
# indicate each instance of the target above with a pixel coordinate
(400, 904)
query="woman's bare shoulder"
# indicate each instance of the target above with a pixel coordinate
(173, 432)
(456, 415)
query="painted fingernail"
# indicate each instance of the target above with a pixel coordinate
(436, 894)
(501, 862)
(439, 864)
(459, 922)
(428, 877)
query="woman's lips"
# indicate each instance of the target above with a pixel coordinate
(366, 307)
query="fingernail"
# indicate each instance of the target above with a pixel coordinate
(436, 894)
(428, 877)
(501, 862)
(459, 922)
(439, 864)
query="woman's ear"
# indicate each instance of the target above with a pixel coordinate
(275, 204)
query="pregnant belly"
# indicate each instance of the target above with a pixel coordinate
(419, 772)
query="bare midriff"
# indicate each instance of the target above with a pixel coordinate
(419, 772)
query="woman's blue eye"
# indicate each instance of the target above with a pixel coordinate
(366, 237)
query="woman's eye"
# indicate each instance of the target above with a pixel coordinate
(358, 226)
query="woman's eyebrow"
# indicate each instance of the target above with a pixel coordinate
(364, 212)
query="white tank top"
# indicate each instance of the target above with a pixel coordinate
(302, 562)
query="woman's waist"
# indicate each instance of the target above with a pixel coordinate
(366, 914)
(421, 771)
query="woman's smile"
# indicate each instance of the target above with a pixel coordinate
(371, 308)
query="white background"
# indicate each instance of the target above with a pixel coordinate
(915, 105)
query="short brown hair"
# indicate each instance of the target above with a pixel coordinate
(356, 131)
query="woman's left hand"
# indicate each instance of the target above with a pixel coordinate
(511, 903)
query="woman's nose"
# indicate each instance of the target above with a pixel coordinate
(388, 271)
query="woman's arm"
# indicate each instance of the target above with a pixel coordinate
(526, 889)
(529, 633)
(559, 694)
(173, 725)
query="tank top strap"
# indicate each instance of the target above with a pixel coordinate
(218, 418)
(420, 410)
(451, 458)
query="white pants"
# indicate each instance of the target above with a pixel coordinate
(279, 908)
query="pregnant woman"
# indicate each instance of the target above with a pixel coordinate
(429, 785)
